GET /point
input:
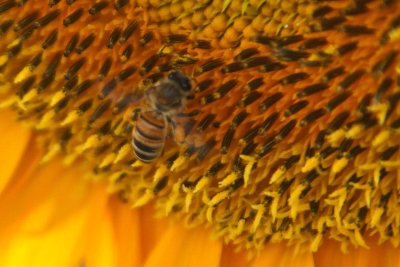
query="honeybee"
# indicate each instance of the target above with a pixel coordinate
(164, 99)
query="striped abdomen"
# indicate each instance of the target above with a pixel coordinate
(148, 136)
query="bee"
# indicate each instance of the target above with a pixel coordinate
(164, 100)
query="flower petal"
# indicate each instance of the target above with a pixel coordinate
(152, 229)
(126, 224)
(47, 195)
(233, 259)
(180, 247)
(113, 234)
(100, 249)
(54, 247)
(384, 255)
(199, 250)
(280, 255)
(13, 143)
(43, 218)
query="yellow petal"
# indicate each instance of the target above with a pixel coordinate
(384, 255)
(181, 248)
(55, 247)
(152, 229)
(126, 226)
(13, 143)
(230, 258)
(43, 197)
(113, 234)
(100, 250)
(280, 255)
(43, 217)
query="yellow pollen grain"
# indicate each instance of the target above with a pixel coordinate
(203, 182)
(23, 74)
(336, 137)
(381, 138)
(294, 201)
(355, 131)
(316, 242)
(339, 164)
(277, 175)
(71, 117)
(109, 159)
(376, 176)
(209, 214)
(144, 199)
(391, 164)
(92, 141)
(239, 228)
(70, 158)
(29, 96)
(188, 200)
(178, 163)
(122, 153)
(368, 167)
(3, 60)
(56, 98)
(51, 153)
(218, 198)
(359, 239)
(46, 120)
(260, 210)
(173, 198)
(247, 172)
(160, 172)
(310, 164)
(228, 180)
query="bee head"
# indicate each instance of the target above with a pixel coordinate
(181, 79)
(165, 96)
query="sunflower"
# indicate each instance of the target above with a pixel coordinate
(289, 151)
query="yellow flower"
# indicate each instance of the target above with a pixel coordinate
(291, 136)
(51, 217)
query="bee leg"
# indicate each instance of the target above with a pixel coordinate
(135, 114)
(172, 127)
(180, 136)
(176, 132)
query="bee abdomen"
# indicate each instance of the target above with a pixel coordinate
(149, 136)
(146, 152)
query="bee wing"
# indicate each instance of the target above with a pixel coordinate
(128, 99)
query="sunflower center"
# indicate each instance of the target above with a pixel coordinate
(289, 134)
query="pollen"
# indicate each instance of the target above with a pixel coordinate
(289, 134)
